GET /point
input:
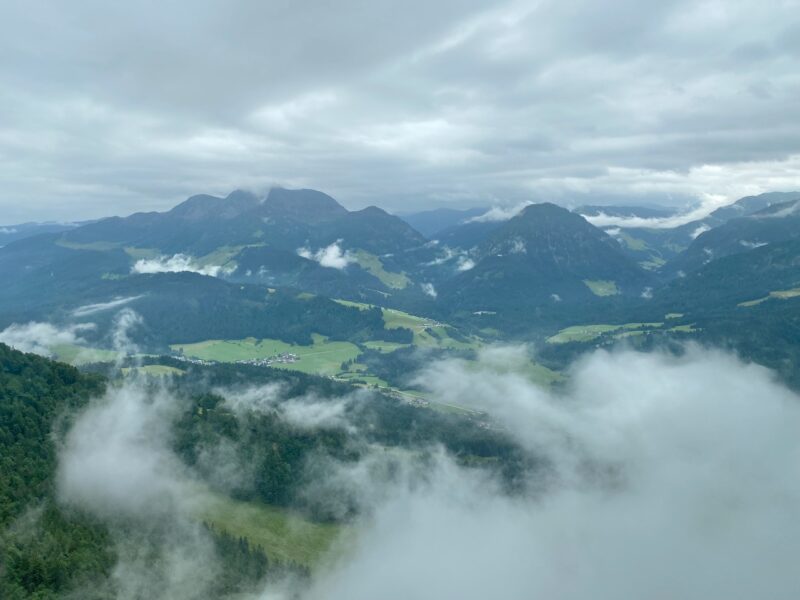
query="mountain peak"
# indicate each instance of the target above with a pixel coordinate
(204, 206)
(304, 205)
(547, 213)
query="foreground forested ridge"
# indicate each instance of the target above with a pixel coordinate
(43, 548)
(48, 550)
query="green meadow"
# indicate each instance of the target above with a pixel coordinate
(323, 357)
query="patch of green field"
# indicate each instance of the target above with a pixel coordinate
(779, 294)
(384, 347)
(397, 318)
(673, 315)
(79, 355)
(427, 332)
(101, 246)
(543, 376)
(358, 305)
(601, 287)
(750, 303)
(373, 265)
(580, 333)
(141, 253)
(784, 294)
(323, 357)
(632, 242)
(223, 256)
(368, 380)
(683, 328)
(587, 333)
(653, 263)
(284, 536)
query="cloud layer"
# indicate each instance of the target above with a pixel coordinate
(667, 478)
(658, 477)
(109, 108)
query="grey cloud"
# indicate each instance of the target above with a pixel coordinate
(42, 338)
(119, 108)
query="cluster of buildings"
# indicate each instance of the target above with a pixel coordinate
(278, 359)
(193, 361)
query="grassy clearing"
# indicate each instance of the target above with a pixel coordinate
(397, 318)
(587, 333)
(79, 355)
(580, 333)
(358, 305)
(323, 357)
(427, 332)
(683, 329)
(655, 262)
(101, 246)
(283, 535)
(779, 295)
(223, 256)
(601, 287)
(142, 253)
(384, 347)
(673, 316)
(543, 376)
(632, 242)
(373, 265)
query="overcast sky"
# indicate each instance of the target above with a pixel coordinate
(110, 107)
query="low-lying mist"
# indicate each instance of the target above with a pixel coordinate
(661, 477)
(668, 478)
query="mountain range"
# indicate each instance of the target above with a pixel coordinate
(278, 265)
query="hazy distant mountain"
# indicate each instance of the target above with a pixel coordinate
(721, 285)
(776, 223)
(301, 239)
(546, 267)
(644, 212)
(546, 254)
(431, 222)
(654, 247)
(12, 233)
(285, 219)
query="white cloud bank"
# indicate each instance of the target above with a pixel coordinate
(708, 205)
(331, 256)
(176, 263)
(666, 478)
(500, 213)
(41, 338)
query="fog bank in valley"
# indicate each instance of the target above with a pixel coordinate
(668, 478)
(661, 477)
